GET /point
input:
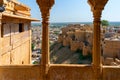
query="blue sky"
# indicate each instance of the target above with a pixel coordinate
(75, 11)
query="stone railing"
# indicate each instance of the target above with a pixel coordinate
(70, 72)
(57, 72)
(81, 72)
(20, 72)
(111, 73)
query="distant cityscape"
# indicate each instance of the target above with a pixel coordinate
(59, 24)
(109, 34)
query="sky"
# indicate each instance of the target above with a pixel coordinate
(75, 11)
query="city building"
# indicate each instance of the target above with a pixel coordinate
(77, 37)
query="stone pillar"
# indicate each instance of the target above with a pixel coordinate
(45, 40)
(97, 6)
(0, 36)
(96, 44)
(30, 42)
(45, 6)
(0, 32)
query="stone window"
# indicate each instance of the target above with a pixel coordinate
(21, 27)
(5, 31)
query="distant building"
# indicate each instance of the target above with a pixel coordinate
(77, 37)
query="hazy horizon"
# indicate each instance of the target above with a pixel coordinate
(76, 22)
(117, 24)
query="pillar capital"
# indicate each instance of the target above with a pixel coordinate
(45, 5)
(97, 15)
(97, 4)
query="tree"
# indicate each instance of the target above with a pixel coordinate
(33, 46)
(105, 23)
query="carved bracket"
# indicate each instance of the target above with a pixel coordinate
(45, 6)
(97, 4)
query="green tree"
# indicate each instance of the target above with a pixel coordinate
(105, 23)
(33, 46)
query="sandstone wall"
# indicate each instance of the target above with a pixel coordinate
(70, 73)
(89, 37)
(66, 41)
(86, 50)
(65, 30)
(60, 38)
(23, 72)
(15, 43)
(70, 34)
(75, 45)
(79, 35)
(111, 73)
(57, 72)
(111, 48)
(78, 72)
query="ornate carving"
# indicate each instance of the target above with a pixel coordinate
(45, 3)
(97, 4)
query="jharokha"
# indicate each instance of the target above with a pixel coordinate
(15, 44)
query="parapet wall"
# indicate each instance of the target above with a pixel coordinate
(78, 72)
(57, 72)
(22, 72)
(111, 73)
(70, 73)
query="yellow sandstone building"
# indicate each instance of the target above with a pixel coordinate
(15, 46)
(15, 33)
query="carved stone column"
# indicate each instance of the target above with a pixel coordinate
(45, 6)
(45, 42)
(97, 6)
(30, 42)
(96, 44)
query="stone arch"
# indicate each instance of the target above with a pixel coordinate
(96, 6)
